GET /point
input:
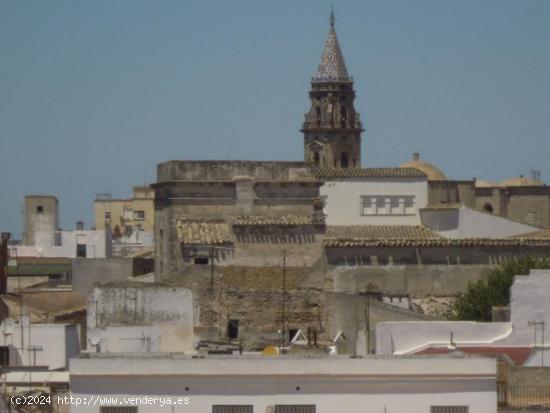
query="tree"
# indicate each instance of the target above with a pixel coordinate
(480, 297)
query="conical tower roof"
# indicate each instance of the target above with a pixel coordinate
(332, 66)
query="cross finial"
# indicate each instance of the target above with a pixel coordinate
(332, 15)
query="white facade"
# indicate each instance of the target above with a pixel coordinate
(463, 222)
(330, 384)
(67, 244)
(374, 201)
(528, 303)
(50, 345)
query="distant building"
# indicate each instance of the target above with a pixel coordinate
(126, 216)
(44, 238)
(41, 215)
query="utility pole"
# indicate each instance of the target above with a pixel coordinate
(535, 324)
(211, 297)
(283, 331)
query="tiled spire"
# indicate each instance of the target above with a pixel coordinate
(332, 66)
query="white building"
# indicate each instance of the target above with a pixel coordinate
(281, 384)
(45, 345)
(529, 313)
(373, 196)
(67, 244)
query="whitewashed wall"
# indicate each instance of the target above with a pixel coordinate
(57, 342)
(332, 385)
(465, 222)
(528, 302)
(344, 200)
(98, 244)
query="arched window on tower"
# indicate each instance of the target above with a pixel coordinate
(344, 160)
(316, 158)
(343, 116)
(318, 115)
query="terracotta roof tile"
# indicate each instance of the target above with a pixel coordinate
(380, 232)
(203, 232)
(340, 173)
(289, 220)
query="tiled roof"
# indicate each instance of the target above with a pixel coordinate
(332, 66)
(438, 242)
(203, 233)
(542, 234)
(440, 207)
(339, 173)
(273, 220)
(377, 232)
(519, 355)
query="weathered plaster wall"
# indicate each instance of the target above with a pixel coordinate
(163, 316)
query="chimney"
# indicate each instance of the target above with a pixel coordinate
(80, 225)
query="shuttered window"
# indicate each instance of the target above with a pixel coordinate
(449, 409)
(223, 408)
(118, 409)
(295, 408)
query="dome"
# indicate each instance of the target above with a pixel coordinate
(433, 173)
(521, 181)
(481, 183)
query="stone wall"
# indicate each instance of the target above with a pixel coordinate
(421, 280)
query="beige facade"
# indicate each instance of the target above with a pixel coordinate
(124, 216)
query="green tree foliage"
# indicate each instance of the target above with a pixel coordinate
(477, 303)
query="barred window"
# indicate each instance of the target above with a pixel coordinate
(232, 408)
(449, 409)
(295, 408)
(387, 205)
(118, 409)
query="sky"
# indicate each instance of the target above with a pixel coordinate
(93, 95)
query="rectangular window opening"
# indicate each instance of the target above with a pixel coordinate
(81, 250)
(233, 329)
(201, 261)
(232, 408)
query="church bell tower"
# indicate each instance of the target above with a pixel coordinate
(332, 129)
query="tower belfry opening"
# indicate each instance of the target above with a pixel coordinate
(332, 128)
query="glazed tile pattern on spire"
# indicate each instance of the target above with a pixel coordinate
(332, 66)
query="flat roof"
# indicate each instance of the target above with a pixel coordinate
(177, 364)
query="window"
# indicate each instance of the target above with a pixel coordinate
(39, 209)
(139, 215)
(127, 229)
(449, 409)
(295, 408)
(57, 239)
(81, 250)
(4, 356)
(344, 160)
(107, 215)
(118, 409)
(233, 329)
(201, 260)
(232, 408)
(387, 205)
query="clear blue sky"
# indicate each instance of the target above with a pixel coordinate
(94, 94)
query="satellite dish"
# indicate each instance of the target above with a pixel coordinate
(8, 325)
(95, 336)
